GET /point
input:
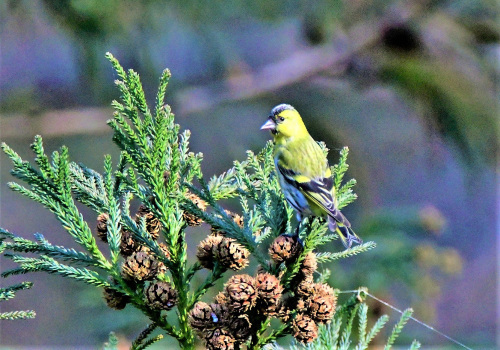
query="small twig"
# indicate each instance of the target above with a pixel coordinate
(215, 275)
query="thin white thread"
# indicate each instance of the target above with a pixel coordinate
(411, 317)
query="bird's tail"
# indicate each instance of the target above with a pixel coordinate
(346, 234)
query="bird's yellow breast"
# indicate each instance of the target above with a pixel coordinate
(305, 157)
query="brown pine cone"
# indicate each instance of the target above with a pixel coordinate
(189, 218)
(322, 303)
(305, 330)
(241, 293)
(115, 299)
(128, 244)
(283, 311)
(102, 227)
(200, 317)
(301, 305)
(140, 266)
(204, 317)
(240, 327)
(153, 225)
(221, 298)
(205, 253)
(269, 292)
(307, 268)
(220, 339)
(309, 264)
(305, 287)
(285, 249)
(160, 296)
(162, 268)
(220, 313)
(231, 254)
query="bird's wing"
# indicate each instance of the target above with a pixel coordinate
(317, 190)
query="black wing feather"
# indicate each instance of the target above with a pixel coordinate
(320, 187)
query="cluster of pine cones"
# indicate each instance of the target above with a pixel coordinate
(246, 301)
(141, 269)
(308, 303)
(238, 311)
(227, 252)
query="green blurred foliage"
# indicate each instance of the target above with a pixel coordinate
(411, 53)
(406, 261)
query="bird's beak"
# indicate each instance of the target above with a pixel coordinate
(269, 125)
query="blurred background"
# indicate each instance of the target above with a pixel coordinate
(409, 86)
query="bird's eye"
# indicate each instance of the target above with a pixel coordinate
(282, 118)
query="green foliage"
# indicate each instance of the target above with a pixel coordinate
(345, 333)
(142, 341)
(345, 195)
(50, 185)
(330, 256)
(17, 315)
(9, 293)
(398, 327)
(460, 111)
(406, 258)
(157, 169)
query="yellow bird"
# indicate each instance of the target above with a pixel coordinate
(303, 171)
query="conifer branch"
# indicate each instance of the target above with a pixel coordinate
(362, 320)
(330, 256)
(42, 246)
(114, 213)
(141, 342)
(377, 327)
(415, 345)
(10, 291)
(52, 266)
(149, 342)
(209, 282)
(148, 253)
(88, 187)
(274, 335)
(17, 315)
(398, 328)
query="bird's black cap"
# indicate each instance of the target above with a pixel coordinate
(280, 108)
